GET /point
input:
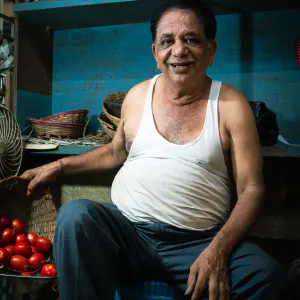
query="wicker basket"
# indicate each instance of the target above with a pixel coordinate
(39, 215)
(37, 211)
(117, 97)
(73, 116)
(114, 120)
(107, 126)
(45, 128)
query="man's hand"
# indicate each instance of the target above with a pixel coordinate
(41, 175)
(210, 269)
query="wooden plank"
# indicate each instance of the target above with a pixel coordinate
(15, 69)
(7, 18)
(91, 14)
(8, 83)
(238, 6)
(61, 15)
(8, 8)
(281, 151)
(50, 4)
(66, 150)
(35, 56)
(268, 152)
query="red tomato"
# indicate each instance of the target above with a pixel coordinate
(7, 237)
(23, 248)
(4, 222)
(26, 274)
(43, 245)
(33, 249)
(48, 270)
(18, 225)
(36, 260)
(19, 263)
(21, 238)
(32, 236)
(4, 256)
(10, 249)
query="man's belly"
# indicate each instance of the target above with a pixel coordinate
(155, 190)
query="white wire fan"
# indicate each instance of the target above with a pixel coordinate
(11, 146)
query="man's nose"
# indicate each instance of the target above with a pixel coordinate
(179, 49)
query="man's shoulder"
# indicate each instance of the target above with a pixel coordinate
(140, 88)
(234, 106)
(231, 99)
(136, 96)
(229, 93)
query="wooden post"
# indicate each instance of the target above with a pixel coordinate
(1, 11)
(8, 82)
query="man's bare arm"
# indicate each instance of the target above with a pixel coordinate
(247, 170)
(103, 159)
(211, 267)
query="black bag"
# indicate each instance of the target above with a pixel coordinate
(266, 123)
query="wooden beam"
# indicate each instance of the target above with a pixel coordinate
(13, 95)
(7, 96)
(35, 57)
(9, 19)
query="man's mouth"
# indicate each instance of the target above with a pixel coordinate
(181, 65)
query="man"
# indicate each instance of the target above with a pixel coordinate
(180, 136)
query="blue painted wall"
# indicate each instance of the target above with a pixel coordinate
(31, 105)
(91, 63)
(267, 72)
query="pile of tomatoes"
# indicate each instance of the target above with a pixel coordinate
(24, 253)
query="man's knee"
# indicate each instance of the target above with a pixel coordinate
(257, 274)
(271, 276)
(272, 272)
(73, 213)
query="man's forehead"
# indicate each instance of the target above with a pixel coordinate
(179, 20)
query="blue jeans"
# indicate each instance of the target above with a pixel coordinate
(97, 249)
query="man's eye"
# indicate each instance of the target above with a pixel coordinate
(192, 41)
(166, 42)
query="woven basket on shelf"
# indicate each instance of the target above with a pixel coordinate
(70, 124)
(45, 128)
(73, 116)
(37, 211)
(107, 126)
(112, 106)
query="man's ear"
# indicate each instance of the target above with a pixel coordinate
(154, 51)
(212, 48)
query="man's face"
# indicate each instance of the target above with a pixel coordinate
(181, 49)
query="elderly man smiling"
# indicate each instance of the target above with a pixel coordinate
(180, 137)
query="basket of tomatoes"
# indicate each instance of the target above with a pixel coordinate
(27, 226)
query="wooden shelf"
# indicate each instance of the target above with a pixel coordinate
(64, 150)
(71, 14)
(277, 151)
(281, 151)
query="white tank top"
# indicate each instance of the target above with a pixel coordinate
(186, 186)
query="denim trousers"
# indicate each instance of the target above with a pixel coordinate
(98, 250)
